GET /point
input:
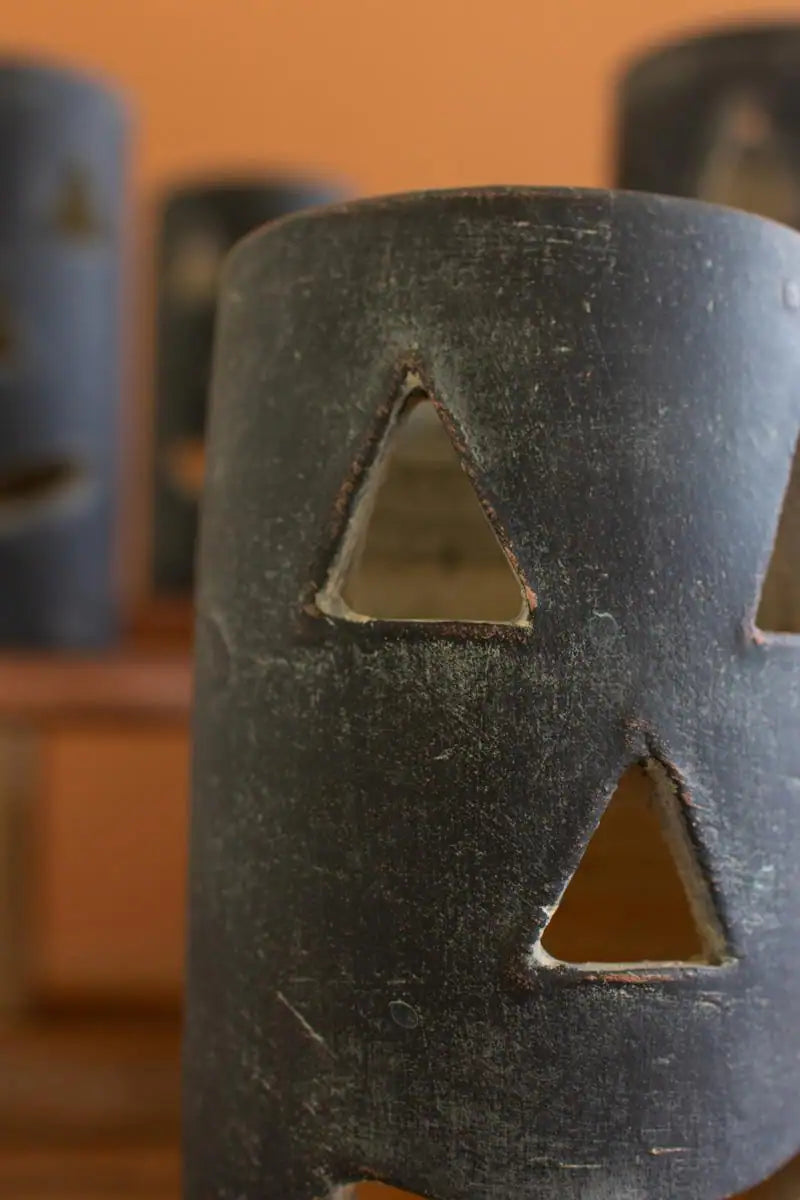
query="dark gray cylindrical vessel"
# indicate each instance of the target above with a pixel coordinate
(387, 812)
(63, 141)
(199, 223)
(717, 116)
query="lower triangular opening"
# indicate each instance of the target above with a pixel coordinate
(639, 895)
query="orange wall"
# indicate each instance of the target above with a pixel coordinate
(388, 93)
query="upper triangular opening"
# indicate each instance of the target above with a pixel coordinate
(779, 606)
(419, 546)
(639, 895)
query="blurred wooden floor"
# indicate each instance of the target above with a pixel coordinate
(82, 1173)
(89, 1110)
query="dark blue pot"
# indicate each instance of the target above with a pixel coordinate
(63, 141)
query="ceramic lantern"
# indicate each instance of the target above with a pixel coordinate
(398, 785)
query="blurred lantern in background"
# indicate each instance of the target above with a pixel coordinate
(199, 224)
(62, 158)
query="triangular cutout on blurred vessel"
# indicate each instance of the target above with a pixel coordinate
(747, 166)
(76, 214)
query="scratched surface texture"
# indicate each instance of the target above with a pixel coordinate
(384, 813)
(717, 116)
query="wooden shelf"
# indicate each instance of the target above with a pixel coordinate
(64, 1080)
(128, 682)
(90, 1109)
(148, 675)
(136, 1172)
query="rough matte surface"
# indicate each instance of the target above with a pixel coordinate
(384, 813)
(718, 117)
(63, 142)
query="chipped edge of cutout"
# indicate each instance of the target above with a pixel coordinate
(763, 633)
(329, 599)
(669, 802)
(374, 1187)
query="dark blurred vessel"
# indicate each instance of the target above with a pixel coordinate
(63, 141)
(199, 223)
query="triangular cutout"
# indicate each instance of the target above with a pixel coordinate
(185, 464)
(779, 606)
(419, 545)
(195, 266)
(8, 336)
(75, 213)
(639, 895)
(748, 167)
